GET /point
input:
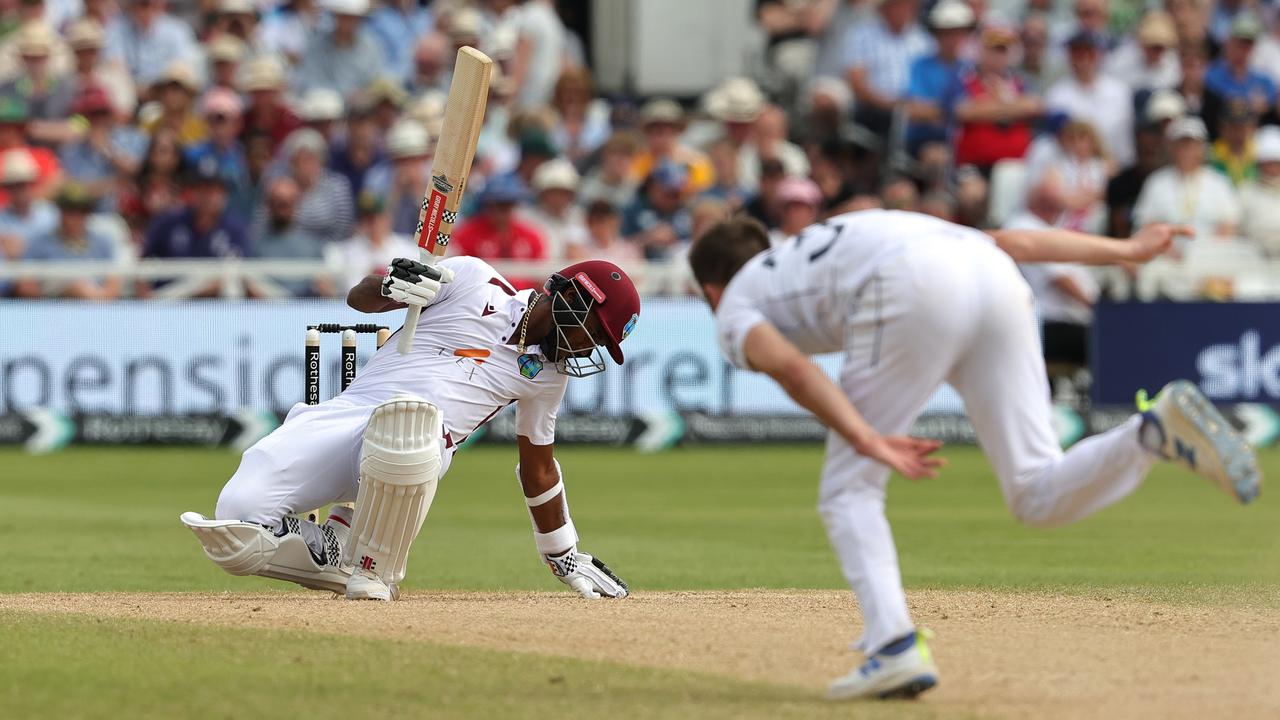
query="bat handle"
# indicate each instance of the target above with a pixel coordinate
(405, 343)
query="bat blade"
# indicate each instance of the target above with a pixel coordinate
(455, 150)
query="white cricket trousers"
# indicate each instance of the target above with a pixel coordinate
(958, 312)
(311, 460)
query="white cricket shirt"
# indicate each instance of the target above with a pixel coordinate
(462, 364)
(799, 285)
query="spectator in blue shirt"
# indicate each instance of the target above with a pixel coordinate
(347, 58)
(1231, 78)
(878, 57)
(951, 22)
(72, 240)
(107, 152)
(202, 227)
(398, 24)
(658, 219)
(27, 215)
(222, 111)
(147, 39)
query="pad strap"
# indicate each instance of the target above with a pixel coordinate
(545, 497)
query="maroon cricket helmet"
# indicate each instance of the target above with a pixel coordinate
(617, 303)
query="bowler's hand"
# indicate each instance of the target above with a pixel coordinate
(1154, 240)
(910, 456)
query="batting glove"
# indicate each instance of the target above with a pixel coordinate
(413, 283)
(587, 575)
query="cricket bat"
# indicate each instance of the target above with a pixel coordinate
(455, 149)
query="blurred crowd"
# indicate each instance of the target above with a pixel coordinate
(305, 129)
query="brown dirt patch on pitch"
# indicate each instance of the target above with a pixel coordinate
(1002, 654)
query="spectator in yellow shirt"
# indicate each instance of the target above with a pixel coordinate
(662, 121)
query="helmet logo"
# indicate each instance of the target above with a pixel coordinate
(631, 325)
(590, 286)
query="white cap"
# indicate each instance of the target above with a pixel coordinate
(406, 139)
(1187, 128)
(347, 7)
(1164, 105)
(320, 104)
(951, 15)
(465, 23)
(558, 174)
(18, 167)
(736, 100)
(1267, 144)
(304, 138)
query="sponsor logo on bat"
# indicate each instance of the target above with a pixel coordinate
(431, 227)
(442, 184)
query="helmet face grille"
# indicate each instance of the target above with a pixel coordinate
(569, 315)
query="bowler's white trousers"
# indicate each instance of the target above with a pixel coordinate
(956, 312)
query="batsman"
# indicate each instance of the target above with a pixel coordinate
(387, 441)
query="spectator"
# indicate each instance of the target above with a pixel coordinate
(583, 123)
(267, 113)
(930, 78)
(71, 240)
(1260, 198)
(495, 233)
(402, 179)
(1191, 18)
(321, 109)
(828, 175)
(235, 20)
(430, 72)
(25, 215)
(85, 36)
(1064, 292)
(764, 206)
(1231, 78)
(993, 110)
(47, 94)
(1092, 17)
(800, 200)
(535, 149)
(736, 104)
(604, 239)
(398, 24)
(157, 188)
(1087, 95)
(107, 155)
(540, 52)
(1187, 191)
(201, 227)
(276, 235)
(38, 35)
(226, 53)
(560, 221)
(611, 179)
(703, 213)
(724, 160)
(325, 203)
(1082, 168)
(769, 139)
(1232, 154)
(1122, 191)
(900, 194)
(1191, 87)
(662, 121)
(346, 58)
(658, 219)
(175, 91)
(878, 56)
(1222, 17)
(148, 40)
(221, 110)
(384, 99)
(374, 245)
(1149, 60)
(1037, 67)
(287, 29)
(13, 135)
(1266, 52)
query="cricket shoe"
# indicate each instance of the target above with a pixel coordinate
(901, 670)
(363, 585)
(297, 551)
(1180, 425)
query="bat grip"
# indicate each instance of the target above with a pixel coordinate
(405, 343)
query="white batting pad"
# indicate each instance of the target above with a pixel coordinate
(399, 469)
(243, 548)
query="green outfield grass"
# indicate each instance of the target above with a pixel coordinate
(107, 519)
(96, 520)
